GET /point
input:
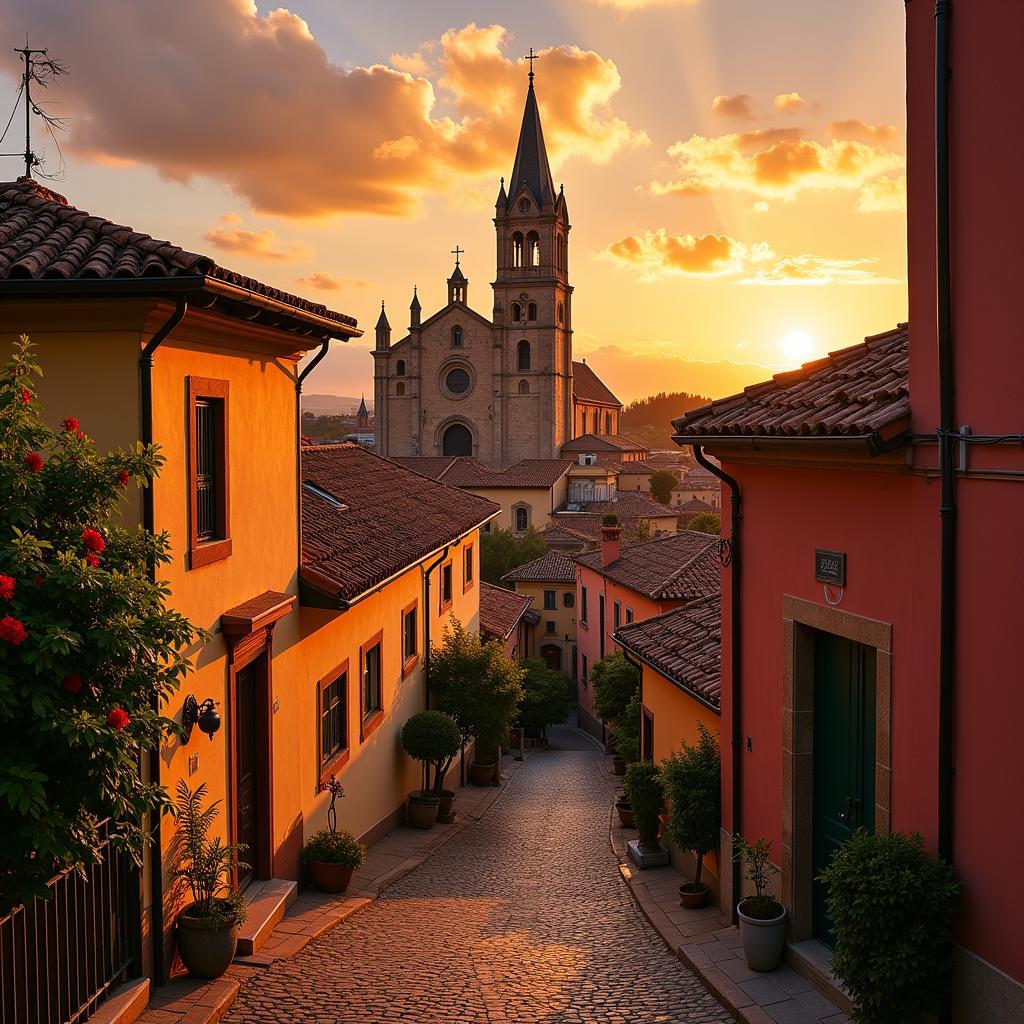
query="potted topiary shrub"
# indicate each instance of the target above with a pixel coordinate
(762, 917)
(332, 856)
(433, 739)
(208, 926)
(892, 909)
(643, 790)
(692, 780)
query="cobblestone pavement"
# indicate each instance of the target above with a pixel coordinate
(522, 917)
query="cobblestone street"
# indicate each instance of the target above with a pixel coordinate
(522, 917)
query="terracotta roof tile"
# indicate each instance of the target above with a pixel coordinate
(684, 645)
(390, 517)
(682, 566)
(854, 392)
(552, 567)
(500, 610)
(602, 443)
(427, 465)
(629, 503)
(467, 472)
(42, 236)
(588, 387)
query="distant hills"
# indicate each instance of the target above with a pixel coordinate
(331, 405)
(648, 421)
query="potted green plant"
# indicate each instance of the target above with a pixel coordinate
(433, 739)
(615, 683)
(892, 909)
(208, 926)
(643, 790)
(762, 917)
(692, 779)
(332, 856)
(625, 811)
(627, 737)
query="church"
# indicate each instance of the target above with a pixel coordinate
(504, 389)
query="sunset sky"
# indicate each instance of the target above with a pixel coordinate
(733, 168)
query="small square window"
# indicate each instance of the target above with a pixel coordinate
(569, 599)
(550, 626)
(629, 614)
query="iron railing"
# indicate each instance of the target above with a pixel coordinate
(59, 957)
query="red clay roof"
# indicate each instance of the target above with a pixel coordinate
(42, 236)
(550, 568)
(855, 392)
(434, 466)
(465, 471)
(588, 387)
(681, 566)
(390, 517)
(602, 443)
(684, 645)
(629, 503)
(695, 506)
(500, 610)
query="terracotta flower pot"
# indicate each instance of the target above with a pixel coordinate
(206, 952)
(446, 807)
(693, 896)
(625, 809)
(481, 773)
(618, 765)
(328, 877)
(422, 809)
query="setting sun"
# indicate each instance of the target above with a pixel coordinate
(797, 346)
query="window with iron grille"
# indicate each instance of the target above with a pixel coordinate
(208, 471)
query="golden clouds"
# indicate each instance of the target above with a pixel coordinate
(253, 102)
(854, 128)
(884, 195)
(740, 107)
(816, 270)
(258, 245)
(789, 101)
(323, 282)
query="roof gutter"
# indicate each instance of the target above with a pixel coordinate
(874, 443)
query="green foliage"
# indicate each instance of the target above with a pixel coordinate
(649, 420)
(706, 522)
(758, 870)
(202, 864)
(626, 731)
(644, 792)
(893, 909)
(609, 519)
(547, 695)
(477, 685)
(662, 482)
(616, 681)
(501, 551)
(433, 738)
(334, 848)
(88, 647)
(692, 780)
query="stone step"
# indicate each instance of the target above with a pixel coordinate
(125, 1004)
(268, 900)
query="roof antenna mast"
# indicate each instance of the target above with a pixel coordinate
(40, 69)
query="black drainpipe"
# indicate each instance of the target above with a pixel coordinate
(146, 410)
(324, 345)
(731, 550)
(947, 428)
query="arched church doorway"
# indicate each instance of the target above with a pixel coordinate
(551, 655)
(457, 440)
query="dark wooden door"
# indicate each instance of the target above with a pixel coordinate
(552, 656)
(844, 754)
(247, 781)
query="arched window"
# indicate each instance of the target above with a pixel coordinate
(561, 313)
(517, 312)
(399, 389)
(400, 368)
(533, 249)
(457, 440)
(517, 249)
(531, 311)
(524, 387)
(523, 350)
(456, 337)
(521, 515)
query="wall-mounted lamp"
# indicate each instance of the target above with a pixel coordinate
(204, 715)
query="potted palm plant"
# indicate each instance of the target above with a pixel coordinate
(433, 739)
(208, 926)
(692, 779)
(762, 917)
(332, 856)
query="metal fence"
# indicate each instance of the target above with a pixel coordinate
(59, 957)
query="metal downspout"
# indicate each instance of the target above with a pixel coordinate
(736, 653)
(148, 524)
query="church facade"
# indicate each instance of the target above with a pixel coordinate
(502, 389)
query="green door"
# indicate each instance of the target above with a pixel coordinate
(844, 754)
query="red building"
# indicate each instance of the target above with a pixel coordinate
(872, 600)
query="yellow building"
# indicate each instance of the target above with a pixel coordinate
(550, 583)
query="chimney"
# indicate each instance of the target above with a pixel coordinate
(610, 544)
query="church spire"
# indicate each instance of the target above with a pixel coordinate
(531, 163)
(383, 329)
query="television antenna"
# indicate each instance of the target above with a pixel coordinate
(39, 69)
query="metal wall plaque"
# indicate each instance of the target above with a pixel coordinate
(830, 567)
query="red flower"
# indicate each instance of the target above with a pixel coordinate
(118, 720)
(80, 435)
(69, 424)
(39, 581)
(92, 559)
(6, 587)
(73, 684)
(123, 476)
(92, 540)
(34, 461)
(26, 396)
(12, 631)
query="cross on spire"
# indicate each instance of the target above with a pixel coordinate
(531, 59)
(457, 252)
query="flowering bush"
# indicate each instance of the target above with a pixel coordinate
(88, 649)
